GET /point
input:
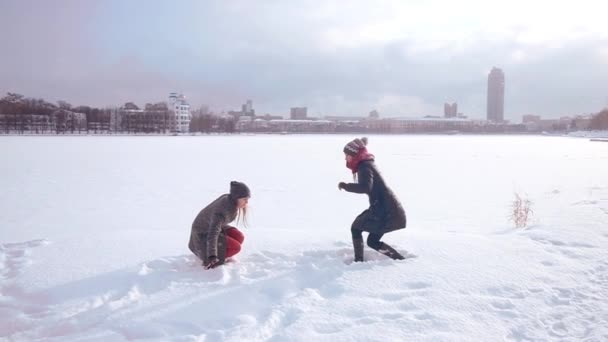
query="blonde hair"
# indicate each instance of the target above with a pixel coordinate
(241, 216)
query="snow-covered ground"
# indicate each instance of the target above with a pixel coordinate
(94, 231)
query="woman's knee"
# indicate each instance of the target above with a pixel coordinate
(235, 234)
(233, 247)
(373, 241)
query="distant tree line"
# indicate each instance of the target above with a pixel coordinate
(20, 114)
(14, 103)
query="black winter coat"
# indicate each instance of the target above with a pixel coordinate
(385, 213)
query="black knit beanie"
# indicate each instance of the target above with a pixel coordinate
(239, 190)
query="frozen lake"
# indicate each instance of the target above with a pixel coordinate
(89, 211)
(54, 185)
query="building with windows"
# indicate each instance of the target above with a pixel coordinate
(59, 121)
(286, 126)
(427, 124)
(180, 120)
(298, 113)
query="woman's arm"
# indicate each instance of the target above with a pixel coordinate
(365, 182)
(215, 227)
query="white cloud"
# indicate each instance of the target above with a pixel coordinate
(518, 56)
(400, 57)
(465, 22)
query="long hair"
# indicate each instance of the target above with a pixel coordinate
(241, 216)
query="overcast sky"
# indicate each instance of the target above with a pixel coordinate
(403, 58)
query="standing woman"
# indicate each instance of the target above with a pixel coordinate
(211, 238)
(385, 213)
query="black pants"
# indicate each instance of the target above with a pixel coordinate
(373, 239)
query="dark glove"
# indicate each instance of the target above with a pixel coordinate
(213, 262)
(341, 185)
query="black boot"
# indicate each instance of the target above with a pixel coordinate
(389, 252)
(358, 246)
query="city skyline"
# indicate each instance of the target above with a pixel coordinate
(400, 59)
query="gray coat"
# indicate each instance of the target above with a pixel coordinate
(385, 213)
(207, 237)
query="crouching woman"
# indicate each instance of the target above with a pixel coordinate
(212, 239)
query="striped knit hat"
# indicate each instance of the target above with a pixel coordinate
(353, 147)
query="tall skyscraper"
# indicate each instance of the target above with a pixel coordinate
(496, 95)
(450, 110)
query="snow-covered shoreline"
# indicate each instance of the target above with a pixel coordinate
(589, 134)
